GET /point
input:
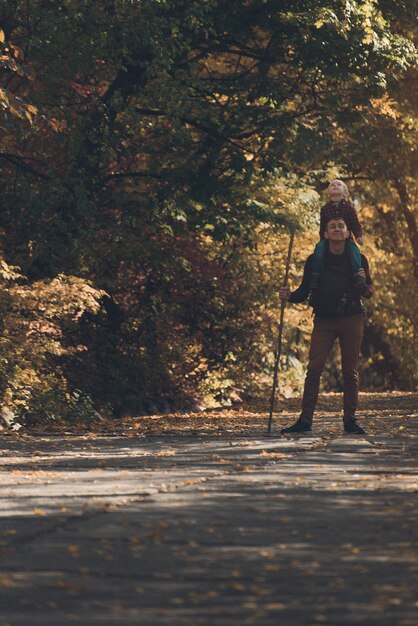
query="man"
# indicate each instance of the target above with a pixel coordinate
(339, 312)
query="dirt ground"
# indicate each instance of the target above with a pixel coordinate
(203, 519)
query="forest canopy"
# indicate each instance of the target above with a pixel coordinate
(154, 158)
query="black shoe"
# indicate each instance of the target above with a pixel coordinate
(297, 427)
(353, 428)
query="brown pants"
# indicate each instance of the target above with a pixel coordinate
(349, 330)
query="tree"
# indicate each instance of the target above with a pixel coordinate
(166, 137)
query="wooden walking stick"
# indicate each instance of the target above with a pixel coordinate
(279, 341)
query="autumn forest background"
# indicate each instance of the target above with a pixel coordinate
(154, 157)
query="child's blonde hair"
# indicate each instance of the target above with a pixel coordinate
(346, 192)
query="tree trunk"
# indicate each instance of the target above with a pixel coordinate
(406, 207)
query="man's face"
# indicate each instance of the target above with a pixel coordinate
(336, 190)
(336, 230)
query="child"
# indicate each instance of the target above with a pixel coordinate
(338, 205)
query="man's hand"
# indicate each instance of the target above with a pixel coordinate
(362, 272)
(284, 293)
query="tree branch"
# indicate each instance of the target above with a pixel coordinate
(132, 175)
(20, 162)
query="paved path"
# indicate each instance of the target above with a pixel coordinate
(206, 530)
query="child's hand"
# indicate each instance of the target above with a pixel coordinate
(360, 240)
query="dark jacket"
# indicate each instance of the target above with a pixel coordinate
(340, 208)
(354, 294)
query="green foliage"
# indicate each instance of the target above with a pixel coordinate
(35, 319)
(155, 156)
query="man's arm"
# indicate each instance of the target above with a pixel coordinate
(302, 292)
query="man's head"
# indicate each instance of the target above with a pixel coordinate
(336, 229)
(337, 189)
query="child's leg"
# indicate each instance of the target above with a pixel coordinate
(318, 262)
(354, 255)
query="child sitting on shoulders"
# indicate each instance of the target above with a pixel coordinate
(338, 205)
